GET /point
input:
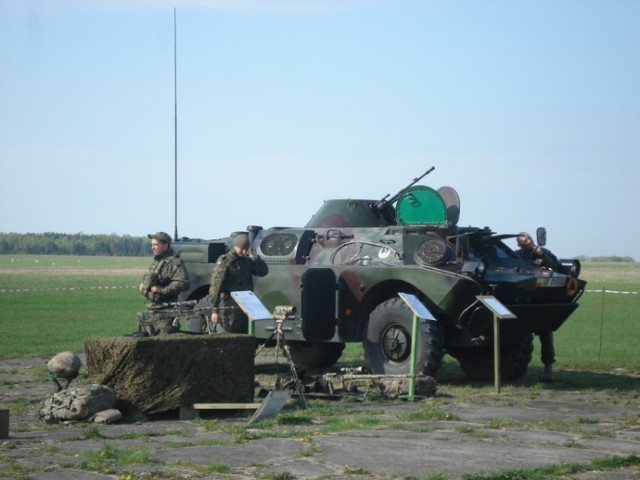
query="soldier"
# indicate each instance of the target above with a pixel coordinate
(162, 283)
(539, 256)
(543, 258)
(234, 272)
(166, 276)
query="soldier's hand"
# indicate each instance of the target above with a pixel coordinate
(215, 318)
(253, 251)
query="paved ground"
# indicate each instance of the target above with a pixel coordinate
(518, 428)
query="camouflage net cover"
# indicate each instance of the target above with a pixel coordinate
(157, 374)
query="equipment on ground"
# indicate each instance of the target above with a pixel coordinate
(280, 315)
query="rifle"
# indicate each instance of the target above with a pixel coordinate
(382, 204)
(149, 281)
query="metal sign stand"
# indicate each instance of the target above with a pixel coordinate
(422, 312)
(500, 312)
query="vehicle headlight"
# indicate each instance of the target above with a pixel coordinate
(571, 266)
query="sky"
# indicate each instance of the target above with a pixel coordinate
(530, 110)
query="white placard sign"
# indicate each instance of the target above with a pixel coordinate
(251, 305)
(493, 304)
(416, 305)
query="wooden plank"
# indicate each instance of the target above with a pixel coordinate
(269, 408)
(225, 406)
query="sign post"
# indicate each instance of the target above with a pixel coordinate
(422, 312)
(500, 312)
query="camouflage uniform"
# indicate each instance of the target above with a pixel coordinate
(167, 271)
(233, 273)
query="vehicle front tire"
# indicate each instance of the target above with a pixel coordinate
(387, 343)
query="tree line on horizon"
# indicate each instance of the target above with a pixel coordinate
(73, 244)
(125, 246)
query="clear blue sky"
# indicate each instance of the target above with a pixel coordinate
(529, 109)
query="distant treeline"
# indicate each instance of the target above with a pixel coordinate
(73, 244)
(606, 259)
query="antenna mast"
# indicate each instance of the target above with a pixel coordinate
(175, 129)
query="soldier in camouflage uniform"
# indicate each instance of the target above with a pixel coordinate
(542, 258)
(234, 272)
(162, 283)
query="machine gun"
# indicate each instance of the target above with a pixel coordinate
(381, 205)
(165, 318)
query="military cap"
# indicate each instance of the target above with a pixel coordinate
(161, 237)
(241, 241)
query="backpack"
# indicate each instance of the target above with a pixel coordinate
(76, 403)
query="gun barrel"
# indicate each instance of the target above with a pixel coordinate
(415, 180)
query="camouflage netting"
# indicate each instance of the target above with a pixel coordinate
(157, 374)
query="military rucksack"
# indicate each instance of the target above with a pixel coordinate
(76, 403)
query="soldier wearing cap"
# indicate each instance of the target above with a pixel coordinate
(166, 276)
(234, 272)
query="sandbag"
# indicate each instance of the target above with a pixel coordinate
(76, 403)
(111, 415)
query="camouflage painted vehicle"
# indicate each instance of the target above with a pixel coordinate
(344, 269)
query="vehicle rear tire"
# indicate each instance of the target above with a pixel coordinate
(315, 354)
(477, 362)
(387, 343)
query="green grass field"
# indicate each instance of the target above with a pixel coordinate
(51, 303)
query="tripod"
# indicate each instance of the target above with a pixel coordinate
(281, 343)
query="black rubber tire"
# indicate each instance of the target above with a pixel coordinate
(387, 343)
(477, 362)
(315, 354)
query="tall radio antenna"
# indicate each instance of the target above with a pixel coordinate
(175, 128)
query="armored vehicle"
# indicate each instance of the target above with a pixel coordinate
(344, 269)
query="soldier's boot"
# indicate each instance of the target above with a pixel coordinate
(547, 373)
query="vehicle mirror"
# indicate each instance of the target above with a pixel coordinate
(541, 235)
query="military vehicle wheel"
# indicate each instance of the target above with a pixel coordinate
(315, 355)
(477, 362)
(387, 344)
